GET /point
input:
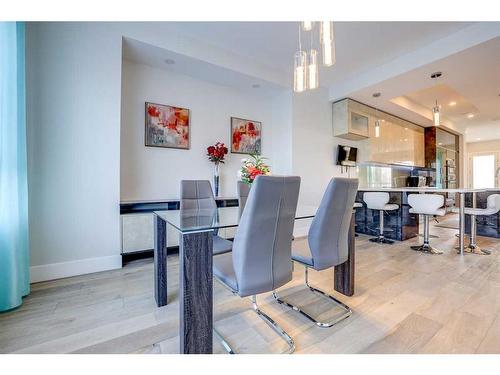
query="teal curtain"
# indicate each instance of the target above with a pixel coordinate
(14, 249)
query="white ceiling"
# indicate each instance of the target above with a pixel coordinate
(156, 57)
(359, 45)
(473, 74)
(394, 58)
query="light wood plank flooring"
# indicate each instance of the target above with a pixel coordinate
(405, 302)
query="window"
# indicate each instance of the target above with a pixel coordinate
(483, 171)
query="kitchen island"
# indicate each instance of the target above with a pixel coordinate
(488, 226)
(400, 224)
(423, 190)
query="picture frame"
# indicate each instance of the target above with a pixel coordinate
(167, 126)
(246, 136)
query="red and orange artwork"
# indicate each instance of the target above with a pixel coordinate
(167, 126)
(246, 136)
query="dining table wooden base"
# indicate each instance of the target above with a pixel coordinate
(343, 274)
(195, 291)
(160, 261)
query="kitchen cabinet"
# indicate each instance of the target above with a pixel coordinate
(350, 120)
(399, 141)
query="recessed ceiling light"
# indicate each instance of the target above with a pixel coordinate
(440, 143)
(452, 104)
(470, 115)
(478, 139)
(255, 86)
(169, 61)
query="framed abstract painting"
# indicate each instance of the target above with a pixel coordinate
(246, 136)
(167, 126)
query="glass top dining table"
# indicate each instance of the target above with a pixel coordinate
(196, 229)
(200, 220)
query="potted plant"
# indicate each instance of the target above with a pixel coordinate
(252, 167)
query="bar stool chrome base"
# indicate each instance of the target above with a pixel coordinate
(381, 239)
(347, 309)
(270, 322)
(426, 248)
(474, 249)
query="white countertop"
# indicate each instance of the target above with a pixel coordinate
(424, 190)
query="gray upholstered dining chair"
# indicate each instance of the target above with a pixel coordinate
(243, 191)
(327, 241)
(196, 195)
(261, 258)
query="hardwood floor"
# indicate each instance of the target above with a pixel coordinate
(405, 302)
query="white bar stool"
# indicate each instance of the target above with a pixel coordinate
(427, 205)
(380, 201)
(492, 207)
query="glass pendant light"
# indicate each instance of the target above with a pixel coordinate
(299, 73)
(307, 25)
(327, 40)
(436, 110)
(377, 128)
(312, 66)
(377, 121)
(300, 68)
(312, 70)
(436, 115)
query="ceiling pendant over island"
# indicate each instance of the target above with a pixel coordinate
(436, 110)
(306, 67)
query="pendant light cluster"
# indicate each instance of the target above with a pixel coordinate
(436, 110)
(377, 119)
(306, 66)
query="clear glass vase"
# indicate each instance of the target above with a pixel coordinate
(216, 180)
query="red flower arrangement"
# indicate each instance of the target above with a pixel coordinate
(217, 152)
(253, 167)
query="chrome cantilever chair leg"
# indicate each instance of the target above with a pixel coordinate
(346, 308)
(270, 322)
(223, 341)
(275, 326)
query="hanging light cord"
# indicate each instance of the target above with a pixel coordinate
(311, 32)
(300, 38)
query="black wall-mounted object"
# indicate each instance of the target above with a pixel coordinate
(347, 156)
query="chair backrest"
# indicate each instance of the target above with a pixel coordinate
(329, 231)
(425, 204)
(197, 194)
(493, 201)
(243, 191)
(376, 200)
(262, 257)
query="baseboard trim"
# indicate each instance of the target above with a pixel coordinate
(61, 270)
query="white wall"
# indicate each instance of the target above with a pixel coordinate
(314, 150)
(155, 173)
(73, 121)
(314, 146)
